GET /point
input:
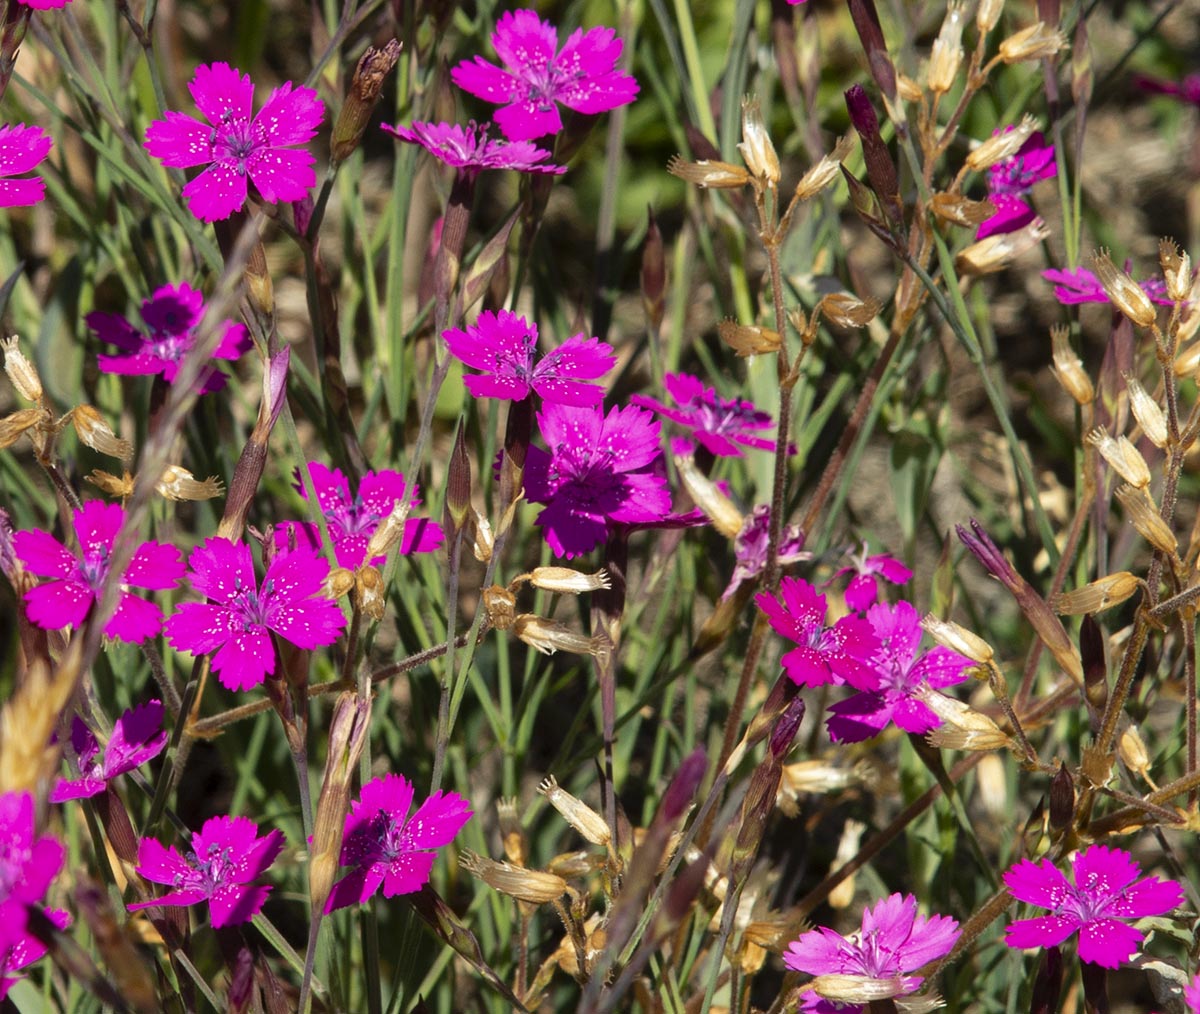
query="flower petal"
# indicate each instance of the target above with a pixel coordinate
(180, 142)
(282, 174)
(1108, 943)
(220, 92)
(290, 115)
(217, 192)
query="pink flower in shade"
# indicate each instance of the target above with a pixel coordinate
(171, 316)
(1010, 180)
(138, 736)
(717, 423)
(226, 857)
(1191, 992)
(894, 940)
(1104, 894)
(863, 589)
(77, 580)
(899, 679)
(599, 470)
(352, 520)
(25, 950)
(239, 147)
(505, 345)
(842, 653)
(1186, 90)
(239, 619)
(22, 148)
(470, 149)
(387, 847)
(750, 547)
(1081, 286)
(28, 865)
(582, 76)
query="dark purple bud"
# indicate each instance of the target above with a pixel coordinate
(881, 170)
(683, 787)
(1050, 12)
(1095, 986)
(1048, 984)
(785, 728)
(458, 488)
(870, 33)
(988, 553)
(684, 890)
(1095, 669)
(1062, 799)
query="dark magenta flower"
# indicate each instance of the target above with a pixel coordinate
(750, 547)
(171, 316)
(894, 940)
(1191, 992)
(68, 598)
(583, 76)
(1081, 286)
(239, 619)
(225, 859)
(25, 950)
(504, 345)
(1010, 181)
(599, 470)
(898, 681)
(717, 423)
(1106, 892)
(45, 5)
(28, 864)
(389, 848)
(352, 520)
(239, 148)
(138, 736)
(839, 654)
(1186, 90)
(470, 149)
(22, 148)
(863, 589)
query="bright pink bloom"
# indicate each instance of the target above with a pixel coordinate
(583, 76)
(899, 679)
(138, 736)
(67, 600)
(838, 654)
(352, 520)
(22, 148)
(28, 864)
(893, 941)
(1191, 992)
(1011, 180)
(225, 858)
(719, 424)
(505, 345)
(1081, 286)
(239, 147)
(45, 5)
(1104, 894)
(863, 589)
(238, 621)
(171, 316)
(387, 847)
(599, 470)
(1186, 90)
(750, 547)
(25, 950)
(470, 149)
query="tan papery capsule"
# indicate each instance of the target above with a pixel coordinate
(548, 637)
(756, 147)
(501, 606)
(950, 635)
(567, 581)
(21, 421)
(532, 886)
(825, 172)
(337, 583)
(1001, 146)
(1068, 367)
(1144, 516)
(988, 15)
(1177, 270)
(484, 541)
(119, 486)
(1147, 412)
(390, 529)
(576, 812)
(946, 56)
(1037, 42)
(709, 174)
(98, 435)
(21, 371)
(959, 210)
(1124, 458)
(845, 310)
(512, 834)
(994, 253)
(717, 507)
(749, 339)
(1096, 596)
(1132, 749)
(1125, 294)
(1188, 361)
(370, 592)
(178, 483)
(860, 989)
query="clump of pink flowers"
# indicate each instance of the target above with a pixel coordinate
(471, 150)
(1079, 285)
(138, 736)
(29, 862)
(721, 425)
(22, 148)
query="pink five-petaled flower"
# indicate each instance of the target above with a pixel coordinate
(719, 424)
(28, 864)
(1011, 179)
(471, 150)
(1104, 894)
(837, 654)
(238, 621)
(898, 680)
(24, 950)
(386, 846)
(66, 600)
(138, 736)
(225, 858)
(599, 470)
(1081, 286)
(504, 345)
(863, 589)
(22, 148)
(893, 941)
(237, 146)
(171, 316)
(582, 76)
(751, 543)
(352, 520)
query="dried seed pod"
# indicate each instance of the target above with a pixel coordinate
(756, 147)
(1177, 270)
(859, 989)
(945, 58)
(21, 421)
(548, 637)
(1001, 146)
(1144, 516)
(987, 15)
(98, 435)
(1096, 596)
(1124, 293)
(390, 529)
(501, 606)
(1147, 412)
(959, 210)
(717, 507)
(512, 834)
(845, 310)
(178, 483)
(1068, 367)
(994, 253)
(576, 812)
(709, 174)
(825, 172)
(532, 886)
(563, 579)
(373, 68)
(337, 583)
(484, 541)
(21, 371)
(749, 339)
(1037, 42)
(1124, 458)
(963, 727)
(369, 592)
(950, 635)
(113, 485)
(1134, 754)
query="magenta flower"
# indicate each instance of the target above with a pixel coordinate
(837, 654)
(893, 941)
(1186, 90)
(1081, 286)
(137, 737)
(387, 847)
(22, 148)
(750, 547)
(171, 316)
(45, 5)
(898, 681)
(226, 857)
(28, 864)
(1010, 180)
(1191, 992)
(236, 146)
(67, 600)
(863, 589)
(719, 424)
(470, 149)
(582, 76)
(238, 620)
(505, 345)
(599, 470)
(25, 950)
(1104, 894)
(352, 520)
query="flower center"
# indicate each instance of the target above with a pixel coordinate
(215, 868)
(232, 140)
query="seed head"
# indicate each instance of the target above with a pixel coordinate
(1147, 412)
(1177, 270)
(825, 172)
(1144, 516)
(708, 174)
(845, 310)
(996, 252)
(1001, 146)
(749, 339)
(567, 581)
(1096, 596)
(21, 371)
(531, 886)
(947, 53)
(987, 15)
(1124, 458)
(576, 812)
(96, 433)
(1068, 367)
(1126, 295)
(950, 635)
(178, 483)
(756, 147)
(717, 507)
(1037, 42)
